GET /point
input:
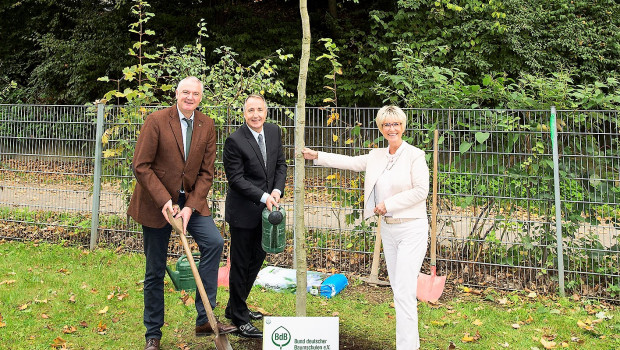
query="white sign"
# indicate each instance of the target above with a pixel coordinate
(300, 333)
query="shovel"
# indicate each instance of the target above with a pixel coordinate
(221, 340)
(223, 273)
(431, 287)
(374, 269)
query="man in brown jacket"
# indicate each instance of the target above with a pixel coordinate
(174, 164)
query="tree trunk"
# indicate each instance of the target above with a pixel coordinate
(300, 123)
(333, 9)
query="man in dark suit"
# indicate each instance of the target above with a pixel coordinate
(174, 163)
(253, 183)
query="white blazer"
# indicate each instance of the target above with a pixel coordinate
(411, 179)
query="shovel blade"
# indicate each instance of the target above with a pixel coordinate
(223, 274)
(222, 343)
(430, 287)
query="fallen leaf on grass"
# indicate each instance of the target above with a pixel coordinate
(7, 282)
(183, 346)
(2, 324)
(439, 323)
(45, 316)
(63, 271)
(103, 311)
(68, 329)
(122, 296)
(187, 299)
(516, 326)
(585, 326)
(84, 324)
(72, 298)
(59, 343)
(102, 328)
(532, 295)
(37, 301)
(502, 301)
(468, 339)
(505, 345)
(23, 307)
(477, 322)
(601, 315)
(471, 290)
(547, 344)
(451, 346)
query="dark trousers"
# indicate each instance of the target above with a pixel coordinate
(246, 258)
(210, 244)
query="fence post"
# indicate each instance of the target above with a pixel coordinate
(94, 225)
(558, 208)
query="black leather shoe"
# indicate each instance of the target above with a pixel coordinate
(249, 331)
(254, 315)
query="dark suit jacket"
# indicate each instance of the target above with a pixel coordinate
(248, 178)
(160, 167)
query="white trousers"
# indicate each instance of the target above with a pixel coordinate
(404, 246)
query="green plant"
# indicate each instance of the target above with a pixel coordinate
(155, 75)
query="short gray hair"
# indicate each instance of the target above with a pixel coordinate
(194, 79)
(393, 112)
(258, 96)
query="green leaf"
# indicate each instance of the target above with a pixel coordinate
(464, 147)
(481, 137)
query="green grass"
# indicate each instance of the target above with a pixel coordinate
(46, 288)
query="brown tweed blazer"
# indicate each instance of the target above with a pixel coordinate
(160, 167)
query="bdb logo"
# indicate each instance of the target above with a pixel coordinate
(281, 337)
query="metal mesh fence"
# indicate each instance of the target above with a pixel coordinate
(496, 222)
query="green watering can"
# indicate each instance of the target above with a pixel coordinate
(274, 233)
(182, 277)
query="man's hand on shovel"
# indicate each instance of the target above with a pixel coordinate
(184, 213)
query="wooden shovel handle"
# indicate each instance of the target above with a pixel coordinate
(434, 199)
(374, 269)
(177, 225)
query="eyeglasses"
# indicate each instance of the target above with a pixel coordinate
(389, 125)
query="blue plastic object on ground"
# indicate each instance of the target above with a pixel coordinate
(333, 285)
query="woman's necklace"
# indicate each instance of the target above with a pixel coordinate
(392, 158)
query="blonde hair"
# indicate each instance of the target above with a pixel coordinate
(391, 112)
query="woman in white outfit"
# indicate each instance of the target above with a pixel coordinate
(395, 187)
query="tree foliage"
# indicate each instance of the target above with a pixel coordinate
(54, 50)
